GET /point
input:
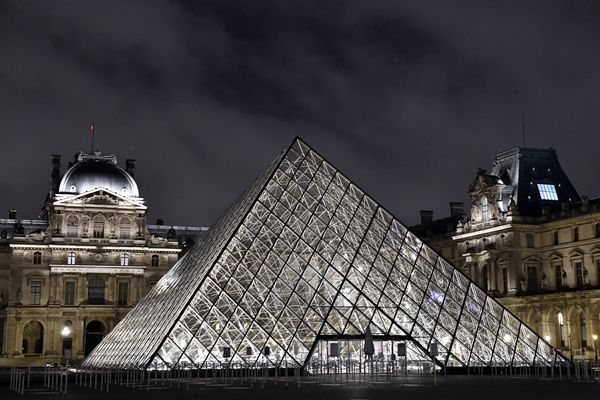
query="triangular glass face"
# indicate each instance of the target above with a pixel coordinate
(303, 256)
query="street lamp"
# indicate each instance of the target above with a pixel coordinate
(595, 337)
(66, 331)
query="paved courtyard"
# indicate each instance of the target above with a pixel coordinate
(448, 387)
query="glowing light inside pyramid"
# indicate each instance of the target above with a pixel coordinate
(303, 260)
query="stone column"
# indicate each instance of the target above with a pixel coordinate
(49, 336)
(110, 289)
(594, 330)
(493, 273)
(14, 335)
(81, 289)
(136, 288)
(79, 338)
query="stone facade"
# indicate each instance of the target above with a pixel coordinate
(533, 243)
(68, 278)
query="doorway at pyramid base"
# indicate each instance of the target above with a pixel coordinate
(349, 354)
(342, 353)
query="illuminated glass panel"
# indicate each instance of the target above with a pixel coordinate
(302, 257)
(547, 191)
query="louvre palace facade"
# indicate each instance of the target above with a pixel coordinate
(533, 243)
(68, 277)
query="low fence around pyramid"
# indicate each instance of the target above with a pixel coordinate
(304, 257)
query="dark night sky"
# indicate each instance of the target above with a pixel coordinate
(406, 98)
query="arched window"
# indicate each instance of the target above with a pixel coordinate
(485, 213)
(124, 259)
(71, 258)
(125, 228)
(98, 232)
(155, 260)
(96, 287)
(33, 338)
(94, 332)
(72, 226)
(37, 257)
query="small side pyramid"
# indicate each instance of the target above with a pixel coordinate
(305, 255)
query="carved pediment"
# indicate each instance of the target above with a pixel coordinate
(576, 253)
(100, 197)
(531, 260)
(556, 257)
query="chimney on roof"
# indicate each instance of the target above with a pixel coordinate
(426, 217)
(130, 166)
(55, 174)
(457, 208)
(12, 213)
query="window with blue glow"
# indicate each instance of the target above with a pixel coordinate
(547, 191)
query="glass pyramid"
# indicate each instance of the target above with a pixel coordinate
(302, 257)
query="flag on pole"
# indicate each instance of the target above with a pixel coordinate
(91, 131)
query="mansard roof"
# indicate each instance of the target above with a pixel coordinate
(539, 184)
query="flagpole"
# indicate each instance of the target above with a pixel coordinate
(92, 128)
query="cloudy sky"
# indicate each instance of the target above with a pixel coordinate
(407, 98)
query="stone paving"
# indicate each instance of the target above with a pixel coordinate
(420, 388)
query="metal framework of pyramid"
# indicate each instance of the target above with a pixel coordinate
(304, 256)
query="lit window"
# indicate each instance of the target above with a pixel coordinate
(71, 258)
(485, 209)
(547, 192)
(124, 259)
(561, 329)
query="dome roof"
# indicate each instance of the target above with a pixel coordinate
(94, 171)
